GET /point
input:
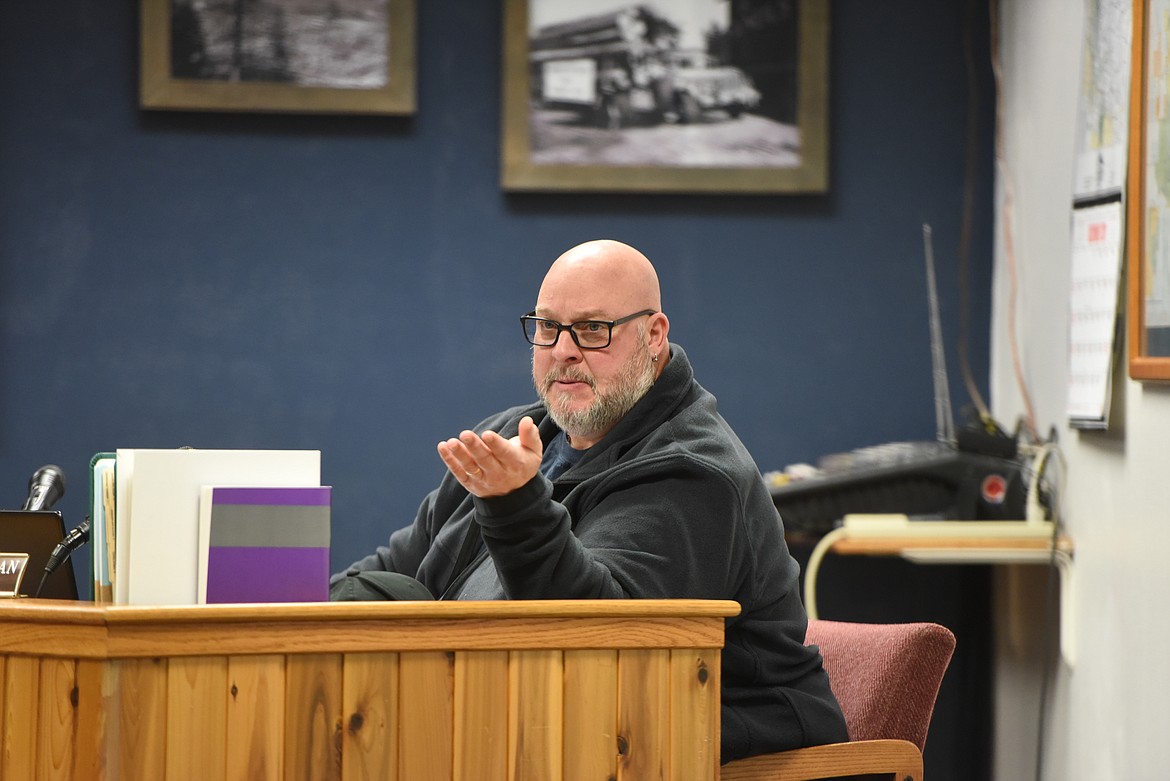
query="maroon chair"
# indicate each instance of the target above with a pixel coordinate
(886, 677)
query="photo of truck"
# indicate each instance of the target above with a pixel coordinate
(627, 67)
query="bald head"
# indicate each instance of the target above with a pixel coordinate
(602, 277)
(588, 388)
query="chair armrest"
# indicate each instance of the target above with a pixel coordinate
(900, 757)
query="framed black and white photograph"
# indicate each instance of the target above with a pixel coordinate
(303, 56)
(666, 96)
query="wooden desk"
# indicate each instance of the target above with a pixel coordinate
(401, 690)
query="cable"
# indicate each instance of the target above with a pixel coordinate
(73, 540)
(44, 577)
(1048, 665)
(1034, 510)
(1029, 419)
(814, 565)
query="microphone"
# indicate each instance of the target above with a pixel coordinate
(73, 540)
(45, 487)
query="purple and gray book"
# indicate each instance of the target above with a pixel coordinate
(264, 544)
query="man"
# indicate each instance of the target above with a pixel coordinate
(624, 482)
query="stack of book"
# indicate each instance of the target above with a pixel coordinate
(186, 526)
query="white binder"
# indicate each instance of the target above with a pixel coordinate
(157, 513)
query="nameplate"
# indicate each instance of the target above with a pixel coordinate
(12, 566)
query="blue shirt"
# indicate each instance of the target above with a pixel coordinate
(559, 456)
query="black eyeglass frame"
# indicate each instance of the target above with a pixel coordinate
(561, 327)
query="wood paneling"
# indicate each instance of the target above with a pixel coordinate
(591, 745)
(481, 692)
(197, 718)
(535, 715)
(255, 718)
(369, 741)
(21, 694)
(481, 716)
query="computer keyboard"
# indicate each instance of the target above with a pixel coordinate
(889, 454)
(921, 479)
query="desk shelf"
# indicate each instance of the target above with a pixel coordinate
(953, 542)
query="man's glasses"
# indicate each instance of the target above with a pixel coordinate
(588, 334)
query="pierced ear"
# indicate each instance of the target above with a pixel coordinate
(659, 323)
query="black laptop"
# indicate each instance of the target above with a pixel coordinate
(37, 533)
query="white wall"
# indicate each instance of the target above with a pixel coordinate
(1109, 716)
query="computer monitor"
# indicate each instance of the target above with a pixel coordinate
(37, 533)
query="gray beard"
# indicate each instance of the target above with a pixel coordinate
(632, 383)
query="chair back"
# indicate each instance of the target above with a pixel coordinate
(885, 676)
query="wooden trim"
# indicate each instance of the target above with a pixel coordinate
(1141, 365)
(900, 757)
(106, 632)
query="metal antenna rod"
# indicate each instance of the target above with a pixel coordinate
(943, 420)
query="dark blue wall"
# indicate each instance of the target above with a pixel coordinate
(353, 284)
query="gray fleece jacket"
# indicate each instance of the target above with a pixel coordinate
(668, 505)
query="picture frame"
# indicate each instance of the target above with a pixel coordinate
(660, 99)
(1148, 205)
(303, 56)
